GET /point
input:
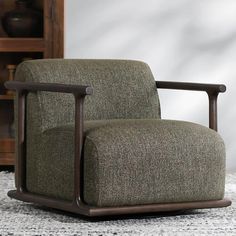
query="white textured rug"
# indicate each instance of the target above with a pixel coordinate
(18, 218)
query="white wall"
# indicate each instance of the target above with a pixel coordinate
(181, 40)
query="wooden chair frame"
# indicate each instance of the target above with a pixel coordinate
(78, 205)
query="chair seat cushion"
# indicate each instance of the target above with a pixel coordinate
(129, 162)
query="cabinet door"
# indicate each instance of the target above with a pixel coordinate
(54, 28)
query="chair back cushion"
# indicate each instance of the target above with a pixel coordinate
(123, 89)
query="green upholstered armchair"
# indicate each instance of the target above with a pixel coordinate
(110, 153)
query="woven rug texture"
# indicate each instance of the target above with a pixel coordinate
(18, 218)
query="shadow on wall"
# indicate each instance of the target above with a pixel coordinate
(181, 40)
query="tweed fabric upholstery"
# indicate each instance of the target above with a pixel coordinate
(122, 89)
(128, 162)
(152, 161)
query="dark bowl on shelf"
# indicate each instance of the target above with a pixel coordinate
(23, 21)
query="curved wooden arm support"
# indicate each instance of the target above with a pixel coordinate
(211, 89)
(79, 92)
(49, 87)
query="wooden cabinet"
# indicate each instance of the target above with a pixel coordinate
(14, 50)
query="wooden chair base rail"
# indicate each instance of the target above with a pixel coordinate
(86, 210)
(77, 205)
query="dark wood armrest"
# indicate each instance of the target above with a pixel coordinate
(211, 89)
(22, 89)
(49, 87)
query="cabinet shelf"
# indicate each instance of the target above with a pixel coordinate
(7, 151)
(50, 44)
(22, 45)
(7, 145)
(7, 159)
(6, 97)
